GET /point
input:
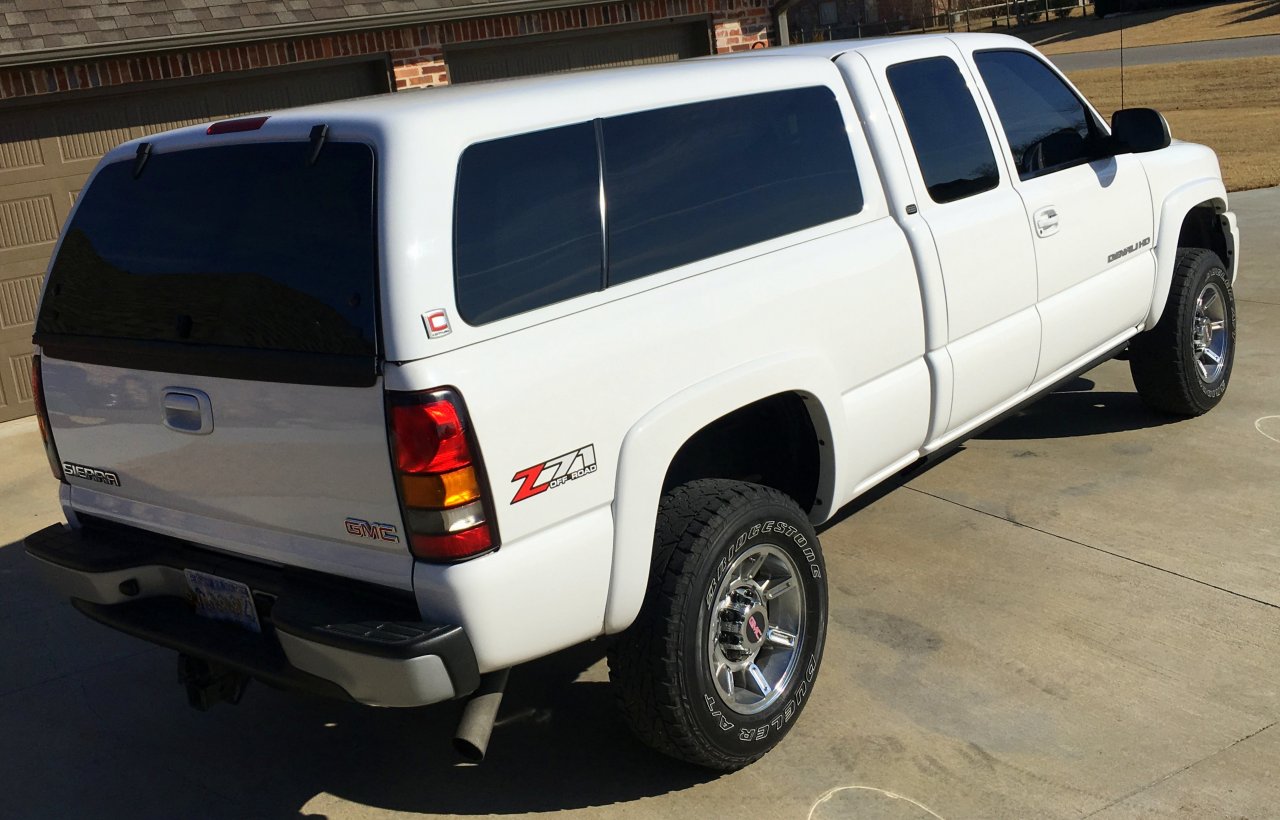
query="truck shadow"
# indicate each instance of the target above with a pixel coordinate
(78, 698)
(1075, 410)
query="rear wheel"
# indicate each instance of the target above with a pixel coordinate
(727, 645)
(1183, 364)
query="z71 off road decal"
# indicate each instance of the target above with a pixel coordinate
(555, 472)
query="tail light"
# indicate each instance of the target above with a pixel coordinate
(439, 475)
(42, 419)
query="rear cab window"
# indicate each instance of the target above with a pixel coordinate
(550, 215)
(240, 260)
(947, 133)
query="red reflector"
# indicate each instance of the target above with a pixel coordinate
(42, 419)
(453, 546)
(232, 126)
(429, 438)
(37, 393)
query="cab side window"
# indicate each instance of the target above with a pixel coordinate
(947, 134)
(1047, 125)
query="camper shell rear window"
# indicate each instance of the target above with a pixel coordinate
(200, 254)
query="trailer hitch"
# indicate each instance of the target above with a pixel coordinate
(210, 683)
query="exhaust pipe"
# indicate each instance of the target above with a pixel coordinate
(472, 738)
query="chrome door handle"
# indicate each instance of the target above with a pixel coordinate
(187, 410)
(1046, 220)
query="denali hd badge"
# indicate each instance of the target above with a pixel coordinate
(1123, 252)
(554, 472)
(91, 474)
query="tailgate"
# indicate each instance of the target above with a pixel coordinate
(210, 355)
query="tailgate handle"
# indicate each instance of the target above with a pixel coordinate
(187, 410)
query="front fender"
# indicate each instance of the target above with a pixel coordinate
(1177, 204)
(650, 445)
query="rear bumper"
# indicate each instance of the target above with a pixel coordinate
(320, 633)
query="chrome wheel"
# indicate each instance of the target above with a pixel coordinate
(1209, 336)
(755, 625)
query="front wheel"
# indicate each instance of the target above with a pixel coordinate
(1183, 364)
(725, 651)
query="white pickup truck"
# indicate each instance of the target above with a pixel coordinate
(381, 398)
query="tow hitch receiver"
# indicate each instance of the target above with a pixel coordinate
(210, 683)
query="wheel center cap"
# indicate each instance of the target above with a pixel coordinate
(754, 628)
(744, 626)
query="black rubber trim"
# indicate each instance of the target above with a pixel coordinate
(351, 615)
(218, 361)
(171, 623)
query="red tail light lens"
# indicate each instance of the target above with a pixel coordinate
(429, 438)
(453, 546)
(42, 419)
(234, 126)
(446, 512)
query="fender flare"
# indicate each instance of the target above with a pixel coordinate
(653, 441)
(1173, 211)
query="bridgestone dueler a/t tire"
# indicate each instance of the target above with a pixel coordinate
(659, 667)
(1162, 359)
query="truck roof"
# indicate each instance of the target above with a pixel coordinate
(607, 89)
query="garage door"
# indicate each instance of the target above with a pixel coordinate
(47, 151)
(627, 46)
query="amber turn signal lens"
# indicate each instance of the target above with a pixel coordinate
(440, 491)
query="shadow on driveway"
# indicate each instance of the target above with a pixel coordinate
(96, 725)
(1078, 410)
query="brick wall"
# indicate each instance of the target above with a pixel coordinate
(417, 52)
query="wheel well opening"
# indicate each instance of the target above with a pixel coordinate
(771, 442)
(1203, 228)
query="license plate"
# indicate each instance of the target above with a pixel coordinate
(223, 599)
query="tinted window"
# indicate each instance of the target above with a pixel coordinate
(240, 245)
(693, 181)
(1046, 124)
(946, 131)
(527, 222)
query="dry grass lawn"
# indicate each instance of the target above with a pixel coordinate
(1233, 106)
(1177, 25)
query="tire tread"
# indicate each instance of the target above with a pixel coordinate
(646, 660)
(1157, 358)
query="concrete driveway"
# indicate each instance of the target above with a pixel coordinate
(1078, 615)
